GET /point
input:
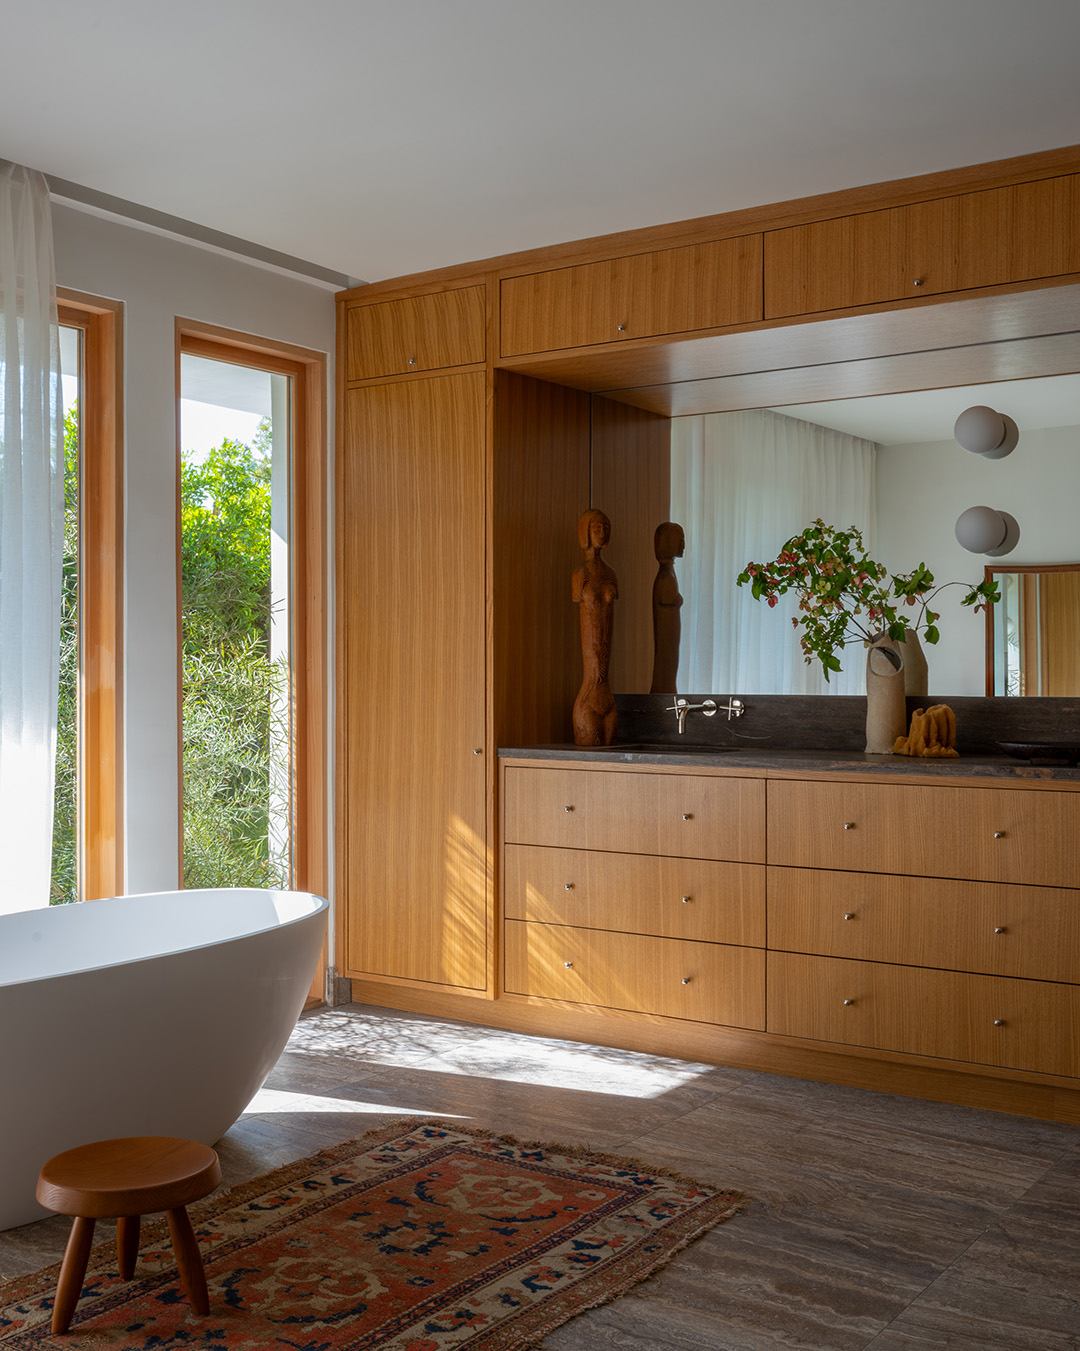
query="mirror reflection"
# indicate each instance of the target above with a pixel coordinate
(740, 483)
(1033, 633)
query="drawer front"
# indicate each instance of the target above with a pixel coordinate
(683, 815)
(998, 929)
(668, 291)
(420, 333)
(955, 243)
(704, 982)
(986, 1020)
(643, 894)
(985, 834)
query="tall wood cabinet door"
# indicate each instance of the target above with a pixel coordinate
(956, 243)
(666, 291)
(413, 575)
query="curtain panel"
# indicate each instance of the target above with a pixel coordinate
(741, 485)
(31, 535)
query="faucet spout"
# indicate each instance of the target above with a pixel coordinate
(682, 706)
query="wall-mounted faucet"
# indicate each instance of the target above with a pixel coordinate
(734, 708)
(681, 707)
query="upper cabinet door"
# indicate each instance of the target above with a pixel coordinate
(950, 244)
(669, 291)
(419, 333)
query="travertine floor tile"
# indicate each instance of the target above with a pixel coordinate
(872, 1222)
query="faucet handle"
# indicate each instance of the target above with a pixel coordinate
(734, 708)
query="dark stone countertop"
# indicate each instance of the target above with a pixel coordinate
(801, 761)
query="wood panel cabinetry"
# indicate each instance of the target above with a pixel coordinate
(891, 949)
(958, 243)
(416, 333)
(627, 891)
(905, 959)
(700, 286)
(988, 834)
(950, 1015)
(684, 815)
(413, 596)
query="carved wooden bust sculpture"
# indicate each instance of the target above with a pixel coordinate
(595, 588)
(668, 544)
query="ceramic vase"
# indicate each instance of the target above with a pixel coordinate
(916, 675)
(886, 709)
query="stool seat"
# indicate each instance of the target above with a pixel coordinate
(123, 1180)
(134, 1176)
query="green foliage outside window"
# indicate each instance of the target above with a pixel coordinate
(65, 873)
(235, 707)
(235, 697)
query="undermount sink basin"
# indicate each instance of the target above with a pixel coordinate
(661, 748)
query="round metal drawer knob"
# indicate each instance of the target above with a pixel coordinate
(999, 1022)
(917, 281)
(687, 979)
(568, 965)
(412, 361)
(568, 886)
(999, 834)
(849, 825)
(848, 1001)
(478, 751)
(568, 809)
(849, 915)
(1000, 929)
(688, 816)
(687, 899)
(620, 328)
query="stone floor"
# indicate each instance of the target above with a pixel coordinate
(874, 1222)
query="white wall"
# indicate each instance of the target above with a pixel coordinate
(159, 278)
(923, 488)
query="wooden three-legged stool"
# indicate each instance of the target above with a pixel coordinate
(122, 1180)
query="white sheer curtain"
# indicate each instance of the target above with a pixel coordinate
(742, 484)
(31, 535)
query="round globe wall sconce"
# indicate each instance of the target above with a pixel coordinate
(982, 530)
(985, 432)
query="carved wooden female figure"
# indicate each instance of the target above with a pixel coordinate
(668, 544)
(595, 588)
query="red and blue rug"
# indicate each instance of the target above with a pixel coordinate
(415, 1237)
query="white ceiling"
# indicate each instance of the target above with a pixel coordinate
(930, 414)
(380, 138)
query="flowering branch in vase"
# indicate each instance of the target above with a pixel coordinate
(845, 596)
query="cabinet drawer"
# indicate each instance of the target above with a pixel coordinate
(705, 982)
(420, 333)
(1002, 930)
(986, 834)
(669, 291)
(684, 815)
(644, 894)
(1015, 1024)
(950, 244)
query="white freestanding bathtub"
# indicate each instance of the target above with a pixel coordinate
(158, 1014)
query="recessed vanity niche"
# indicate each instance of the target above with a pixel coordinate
(870, 920)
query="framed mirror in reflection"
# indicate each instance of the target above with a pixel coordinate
(1033, 633)
(729, 478)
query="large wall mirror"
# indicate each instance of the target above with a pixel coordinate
(720, 474)
(1033, 634)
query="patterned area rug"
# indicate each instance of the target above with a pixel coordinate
(415, 1237)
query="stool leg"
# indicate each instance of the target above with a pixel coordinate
(72, 1271)
(127, 1245)
(188, 1259)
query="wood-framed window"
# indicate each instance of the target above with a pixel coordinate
(307, 476)
(100, 683)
